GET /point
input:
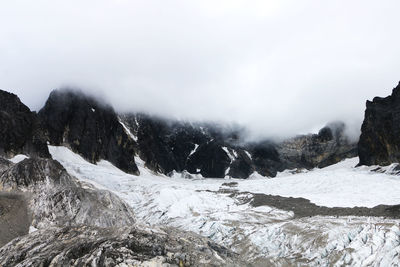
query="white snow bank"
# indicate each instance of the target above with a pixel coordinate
(339, 185)
(18, 158)
(127, 131)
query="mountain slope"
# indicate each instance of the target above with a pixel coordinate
(94, 130)
(206, 149)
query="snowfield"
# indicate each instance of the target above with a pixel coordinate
(263, 235)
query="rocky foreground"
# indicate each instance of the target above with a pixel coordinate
(75, 224)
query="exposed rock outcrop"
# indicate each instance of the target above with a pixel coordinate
(380, 132)
(20, 132)
(56, 198)
(14, 216)
(328, 147)
(128, 246)
(79, 225)
(89, 128)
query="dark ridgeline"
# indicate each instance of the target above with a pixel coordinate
(215, 152)
(94, 130)
(380, 132)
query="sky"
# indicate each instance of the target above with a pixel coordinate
(277, 67)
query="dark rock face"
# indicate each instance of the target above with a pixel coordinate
(266, 159)
(205, 149)
(380, 132)
(242, 166)
(89, 127)
(95, 131)
(20, 132)
(328, 147)
(210, 160)
(164, 145)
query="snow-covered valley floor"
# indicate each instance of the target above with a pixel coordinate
(263, 235)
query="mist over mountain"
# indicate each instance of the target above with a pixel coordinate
(278, 68)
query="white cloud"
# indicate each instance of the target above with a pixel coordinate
(278, 67)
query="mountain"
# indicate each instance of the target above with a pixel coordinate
(380, 132)
(93, 129)
(89, 127)
(205, 149)
(100, 188)
(20, 130)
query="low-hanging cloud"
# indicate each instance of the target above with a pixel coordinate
(278, 67)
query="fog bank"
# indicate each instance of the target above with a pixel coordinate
(277, 67)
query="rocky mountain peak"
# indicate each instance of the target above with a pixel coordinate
(20, 130)
(88, 127)
(96, 131)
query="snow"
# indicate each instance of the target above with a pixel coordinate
(196, 146)
(231, 156)
(339, 185)
(201, 206)
(127, 131)
(18, 158)
(32, 229)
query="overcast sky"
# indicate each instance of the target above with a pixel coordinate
(278, 67)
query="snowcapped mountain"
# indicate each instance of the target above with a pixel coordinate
(83, 185)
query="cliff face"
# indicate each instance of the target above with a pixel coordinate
(20, 132)
(198, 148)
(328, 147)
(205, 149)
(380, 132)
(89, 128)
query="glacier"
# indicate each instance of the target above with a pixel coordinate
(221, 210)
